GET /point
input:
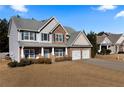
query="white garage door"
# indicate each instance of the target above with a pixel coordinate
(76, 55)
(85, 54)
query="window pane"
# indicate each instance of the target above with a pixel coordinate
(26, 35)
(59, 37)
(31, 51)
(45, 37)
(26, 53)
(32, 36)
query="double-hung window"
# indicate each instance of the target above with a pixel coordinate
(59, 37)
(28, 36)
(59, 52)
(44, 37)
(29, 53)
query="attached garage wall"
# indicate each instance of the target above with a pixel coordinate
(81, 49)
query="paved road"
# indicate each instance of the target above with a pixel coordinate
(108, 64)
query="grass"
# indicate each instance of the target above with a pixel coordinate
(112, 57)
(62, 74)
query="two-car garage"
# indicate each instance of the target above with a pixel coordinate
(80, 54)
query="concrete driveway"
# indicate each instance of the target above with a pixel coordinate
(107, 64)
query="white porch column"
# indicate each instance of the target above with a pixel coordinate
(22, 52)
(66, 51)
(117, 48)
(53, 51)
(107, 46)
(100, 48)
(42, 51)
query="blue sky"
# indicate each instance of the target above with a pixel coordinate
(96, 18)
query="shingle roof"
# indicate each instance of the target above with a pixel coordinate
(72, 37)
(30, 24)
(100, 39)
(112, 37)
(69, 29)
(37, 44)
(35, 25)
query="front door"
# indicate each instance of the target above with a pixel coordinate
(46, 53)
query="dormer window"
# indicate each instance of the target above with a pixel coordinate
(28, 35)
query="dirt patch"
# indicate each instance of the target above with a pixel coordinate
(112, 57)
(64, 74)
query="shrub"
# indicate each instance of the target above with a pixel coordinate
(40, 60)
(25, 61)
(108, 51)
(33, 61)
(7, 57)
(120, 52)
(68, 58)
(13, 64)
(21, 64)
(47, 61)
(103, 51)
(59, 59)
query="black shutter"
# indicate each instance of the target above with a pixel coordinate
(35, 36)
(63, 38)
(42, 36)
(48, 36)
(22, 35)
(53, 37)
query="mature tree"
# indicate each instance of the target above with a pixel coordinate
(3, 35)
(92, 38)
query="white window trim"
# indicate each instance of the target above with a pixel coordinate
(60, 35)
(59, 52)
(48, 39)
(29, 36)
(29, 53)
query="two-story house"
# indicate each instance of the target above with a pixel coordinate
(30, 38)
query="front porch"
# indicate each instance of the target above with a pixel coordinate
(103, 46)
(43, 52)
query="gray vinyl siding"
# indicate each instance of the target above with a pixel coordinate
(13, 42)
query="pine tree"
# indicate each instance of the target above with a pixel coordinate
(4, 46)
(92, 38)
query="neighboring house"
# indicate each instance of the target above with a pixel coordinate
(114, 42)
(29, 38)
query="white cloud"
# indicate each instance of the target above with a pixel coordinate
(120, 14)
(19, 8)
(106, 7)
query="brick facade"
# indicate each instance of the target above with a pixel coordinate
(59, 29)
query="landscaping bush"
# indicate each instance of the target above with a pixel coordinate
(108, 51)
(59, 59)
(68, 58)
(25, 61)
(20, 64)
(33, 61)
(40, 61)
(120, 52)
(12, 64)
(103, 51)
(47, 61)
